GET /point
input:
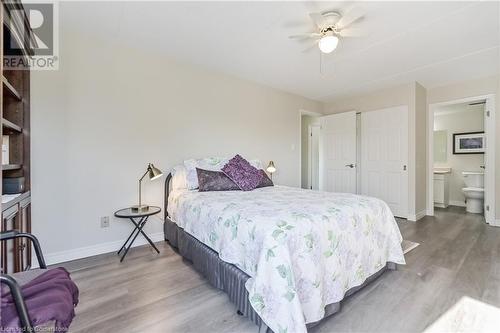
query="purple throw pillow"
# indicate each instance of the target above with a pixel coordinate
(214, 181)
(266, 181)
(242, 173)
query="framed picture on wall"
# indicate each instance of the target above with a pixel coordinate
(468, 143)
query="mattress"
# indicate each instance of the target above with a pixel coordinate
(301, 249)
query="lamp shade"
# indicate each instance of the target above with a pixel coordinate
(270, 167)
(153, 172)
(328, 44)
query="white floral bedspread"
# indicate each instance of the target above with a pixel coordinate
(302, 249)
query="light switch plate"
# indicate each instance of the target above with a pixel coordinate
(105, 222)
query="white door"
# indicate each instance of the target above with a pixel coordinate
(338, 153)
(489, 163)
(314, 157)
(384, 157)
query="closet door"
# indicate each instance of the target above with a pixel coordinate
(384, 157)
(337, 157)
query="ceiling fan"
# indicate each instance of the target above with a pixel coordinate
(331, 26)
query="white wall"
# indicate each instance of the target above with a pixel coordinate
(460, 122)
(110, 110)
(420, 142)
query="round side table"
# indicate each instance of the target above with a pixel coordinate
(139, 220)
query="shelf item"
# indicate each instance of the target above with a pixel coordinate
(10, 88)
(13, 185)
(11, 126)
(5, 149)
(11, 167)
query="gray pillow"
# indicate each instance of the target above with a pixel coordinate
(214, 181)
(266, 181)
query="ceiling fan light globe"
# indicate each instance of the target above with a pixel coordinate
(328, 44)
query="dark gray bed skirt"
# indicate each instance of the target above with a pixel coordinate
(228, 277)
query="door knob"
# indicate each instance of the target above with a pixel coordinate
(352, 165)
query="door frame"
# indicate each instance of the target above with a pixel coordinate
(303, 112)
(490, 136)
(309, 157)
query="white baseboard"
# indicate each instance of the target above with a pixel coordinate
(93, 250)
(417, 216)
(457, 203)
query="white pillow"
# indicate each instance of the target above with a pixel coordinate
(179, 177)
(208, 163)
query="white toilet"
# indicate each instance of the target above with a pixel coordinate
(474, 191)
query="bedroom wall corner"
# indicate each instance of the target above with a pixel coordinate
(420, 150)
(417, 151)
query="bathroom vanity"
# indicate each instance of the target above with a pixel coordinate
(442, 187)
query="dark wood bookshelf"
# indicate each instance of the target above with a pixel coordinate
(16, 200)
(15, 114)
(10, 89)
(10, 127)
(11, 166)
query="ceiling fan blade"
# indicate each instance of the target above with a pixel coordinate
(305, 36)
(311, 47)
(318, 19)
(351, 32)
(353, 15)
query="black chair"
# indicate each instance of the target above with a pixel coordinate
(13, 281)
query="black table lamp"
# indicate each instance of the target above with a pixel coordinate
(153, 173)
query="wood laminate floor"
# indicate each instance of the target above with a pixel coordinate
(459, 255)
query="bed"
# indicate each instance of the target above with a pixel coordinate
(285, 256)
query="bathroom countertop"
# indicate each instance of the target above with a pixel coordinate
(442, 170)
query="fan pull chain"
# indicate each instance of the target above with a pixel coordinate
(321, 63)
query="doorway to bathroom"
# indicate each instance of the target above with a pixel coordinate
(461, 157)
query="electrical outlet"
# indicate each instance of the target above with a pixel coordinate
(105, 222)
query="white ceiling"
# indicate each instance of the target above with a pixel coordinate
(434, 43)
